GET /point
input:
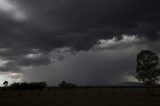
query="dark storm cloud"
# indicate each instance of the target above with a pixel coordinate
(79, 24)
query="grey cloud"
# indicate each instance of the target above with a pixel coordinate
(10, 67)
(80, 23)
(15, 76)
(41, 60)
(86, 68)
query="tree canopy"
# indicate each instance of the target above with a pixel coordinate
(147, 67)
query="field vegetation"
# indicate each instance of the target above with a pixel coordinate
(80, 97)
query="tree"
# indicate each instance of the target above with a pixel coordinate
(147, 71)
(5, 83)
(65, 84)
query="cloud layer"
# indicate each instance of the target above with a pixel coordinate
(47, 33)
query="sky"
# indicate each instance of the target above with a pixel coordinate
(86, 42)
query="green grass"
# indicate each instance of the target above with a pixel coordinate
(80, 97)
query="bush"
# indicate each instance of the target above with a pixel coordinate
(28, 86)
(64, 84)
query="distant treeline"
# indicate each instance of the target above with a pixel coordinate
(63, 85)
(28, 86)
(35, 85)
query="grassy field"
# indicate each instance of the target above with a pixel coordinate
(81, 97)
